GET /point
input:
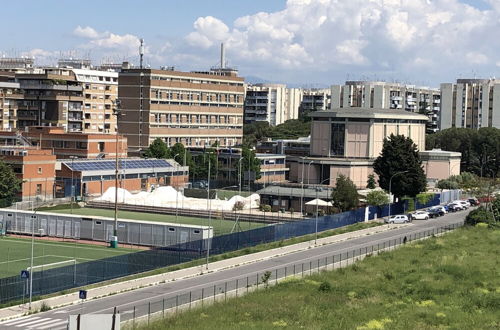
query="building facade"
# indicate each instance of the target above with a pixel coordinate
(470, 103)
(192, 108)
(72, 95)
(10, 94)
(383, 95)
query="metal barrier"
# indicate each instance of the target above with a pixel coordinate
(221, 291)
(54, 280)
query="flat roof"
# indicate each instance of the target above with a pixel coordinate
(370, 113)
(324, 192)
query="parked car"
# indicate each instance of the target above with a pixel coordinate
(454, 207)
(447, 208)
(401, 218)
(441, 208)
(420, 215)
(465, 204)
(434, 213)
(473, 201)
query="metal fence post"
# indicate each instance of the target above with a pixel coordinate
(176, 303)
(163, 309)
(276, 277)
(149, 311)
(237, 287)
(225, 291)
(202, 296)
(133, 319)
(310, 267)
(247, 284)
(214, 292)
(293, 269)
(190, 294)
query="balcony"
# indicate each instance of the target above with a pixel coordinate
(52, 87)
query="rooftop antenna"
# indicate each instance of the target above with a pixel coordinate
(141, 52)
(222, 56)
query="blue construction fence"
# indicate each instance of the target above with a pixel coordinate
(82, 274)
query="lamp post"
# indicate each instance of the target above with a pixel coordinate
(302, 190)
(239, 174)
(33, 218)
(390, 182)
(317, 206)
(177, 192)
(308, 167)
(117, 113)
(72, 182)
(209, 240)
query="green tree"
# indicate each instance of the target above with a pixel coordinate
(250, 163)
(201, 162)
(158, 149)
(10, 185)
(377, 198)
(447, 184)
(480, 215)
(370, 183)
(345, 195)
(400, 154)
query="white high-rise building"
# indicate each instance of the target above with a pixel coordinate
(383, 95)
(470, 103)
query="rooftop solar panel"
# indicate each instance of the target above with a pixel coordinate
(110, 164)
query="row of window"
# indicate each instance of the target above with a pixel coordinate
(195, 81)
(122, 176)
(195, 119)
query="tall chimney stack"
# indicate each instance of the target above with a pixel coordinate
(222, 56)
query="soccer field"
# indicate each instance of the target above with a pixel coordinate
(16, 254)
(220, 226)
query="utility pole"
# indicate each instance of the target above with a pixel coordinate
(114, 239)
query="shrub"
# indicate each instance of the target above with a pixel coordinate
(238, 206)
(325, 287)
(44, 307)
(265, 208)
(479, 215)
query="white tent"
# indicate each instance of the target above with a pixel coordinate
(319, 202)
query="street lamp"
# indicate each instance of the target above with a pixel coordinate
(117, 113)
(308, 167)
(302, 190)
(72, 182)
(317, 211)
(239, 174)
(33, 218)
(390, 182)
(209, 241)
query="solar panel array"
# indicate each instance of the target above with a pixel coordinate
(123, 164)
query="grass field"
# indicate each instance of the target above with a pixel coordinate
(16, 253)
(220, 226)
(448, 282)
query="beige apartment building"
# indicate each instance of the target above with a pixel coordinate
(383, 95)
(72, 95)
(470, 103)
(10, 94)
(193, 108)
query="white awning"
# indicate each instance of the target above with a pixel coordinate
(319, 202)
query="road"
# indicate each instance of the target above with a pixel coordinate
(57, 319)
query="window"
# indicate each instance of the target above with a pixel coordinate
(196, 231)
(39, 189)
(337, 139)
(81, 145)
(57, 144)
(39, 170)
(171, 229)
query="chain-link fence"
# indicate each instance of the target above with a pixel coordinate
(161, 307)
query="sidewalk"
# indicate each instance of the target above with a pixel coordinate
(72, 298)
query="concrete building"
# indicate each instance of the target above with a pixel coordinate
(10, 94)
(275, 103)
(383, 95)
(347, 141)
(34, 167)
(193, 108)
(470, 103)
(72, 95)
(67, 144)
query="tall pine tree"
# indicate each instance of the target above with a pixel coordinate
(400, 154)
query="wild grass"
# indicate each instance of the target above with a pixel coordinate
(447, 282)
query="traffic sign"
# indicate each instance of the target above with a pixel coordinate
(25, 274)
(82, 294)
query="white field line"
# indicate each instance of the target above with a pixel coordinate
(68, 245)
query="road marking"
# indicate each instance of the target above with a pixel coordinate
(23, 324)
(12, 322)
(59, 322)
(46, 322)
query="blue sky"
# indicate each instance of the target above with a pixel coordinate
(304, 42)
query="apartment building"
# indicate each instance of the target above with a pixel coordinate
(470, 103)
(275, 103)
(383, 95)
(10, 94)
(192, 108)
(71, 95)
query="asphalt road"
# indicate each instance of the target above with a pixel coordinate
(178, 291)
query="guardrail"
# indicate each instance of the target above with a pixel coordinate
(221, 291)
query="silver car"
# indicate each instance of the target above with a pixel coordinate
(401, 218)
